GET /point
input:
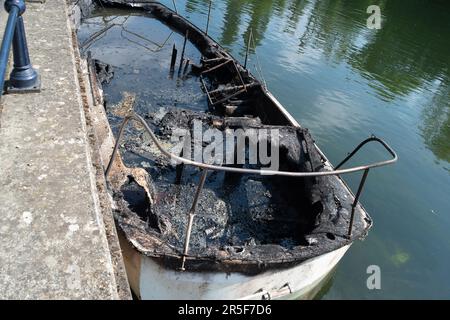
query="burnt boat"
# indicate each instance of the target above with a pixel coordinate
(193, 229)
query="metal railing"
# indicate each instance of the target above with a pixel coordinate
(205, 167)
(23, 77)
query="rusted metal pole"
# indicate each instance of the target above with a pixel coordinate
(174, 58)
(191, 217)
(206, 89)
(230, 96)
(179, 170)
(355, 203)
(186, 67)
(240, 76)
(184, 49)
(214, 60)
(248, 48)
(209, 15)
(217, 66)
(227, 89)
(175, 6)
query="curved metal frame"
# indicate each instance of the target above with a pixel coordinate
(205, 167)
(253, 171)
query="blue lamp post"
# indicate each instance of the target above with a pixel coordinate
(23, 77)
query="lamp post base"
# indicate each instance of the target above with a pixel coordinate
(35, 87)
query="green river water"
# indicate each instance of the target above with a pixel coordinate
(345, 82)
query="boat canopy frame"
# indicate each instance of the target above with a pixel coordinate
(206, 167)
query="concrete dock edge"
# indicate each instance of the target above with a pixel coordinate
(57, 232)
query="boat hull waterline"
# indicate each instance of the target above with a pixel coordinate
(151, 281)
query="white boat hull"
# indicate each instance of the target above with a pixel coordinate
(151, 281)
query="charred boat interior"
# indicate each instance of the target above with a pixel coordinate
(150, 61)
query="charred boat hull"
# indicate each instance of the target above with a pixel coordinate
(220, 264)
(150, 280)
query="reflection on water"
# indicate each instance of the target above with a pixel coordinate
(345, 82)
(436, 122)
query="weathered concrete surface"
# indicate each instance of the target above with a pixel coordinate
(53, 243)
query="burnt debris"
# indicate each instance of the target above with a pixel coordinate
(289, 218)
(104, 71)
